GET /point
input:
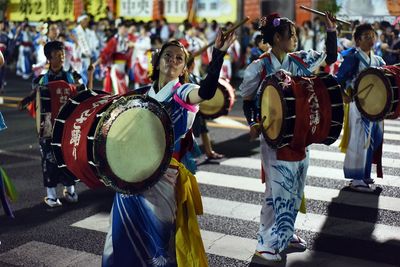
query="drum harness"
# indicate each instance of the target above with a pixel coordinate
(267, 71)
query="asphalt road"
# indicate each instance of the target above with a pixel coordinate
(342, 228)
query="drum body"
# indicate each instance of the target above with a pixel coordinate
(377, 93)
(125, 142)
(299, 111)
(221, 103)
(49, 100)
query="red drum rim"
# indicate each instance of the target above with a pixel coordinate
(59, 123)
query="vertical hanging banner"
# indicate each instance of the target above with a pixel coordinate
(135, 9)
(369, 10)
(97, 8)
(175, 11)
(219, 10)
(36, 10)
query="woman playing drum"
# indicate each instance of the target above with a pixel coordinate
(361, 137)
(284, 177)
(147, 229)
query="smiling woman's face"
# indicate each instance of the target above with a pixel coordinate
(172, 63)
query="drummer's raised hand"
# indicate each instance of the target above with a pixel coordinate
(90, 72)
(255, 132)
(330, 20)
(223, 42)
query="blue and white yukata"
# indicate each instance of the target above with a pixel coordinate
(284, 180)
(365, 136)
(24, 62)
(142, 231)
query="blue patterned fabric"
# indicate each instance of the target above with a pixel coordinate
(2, 122)
(284, 191)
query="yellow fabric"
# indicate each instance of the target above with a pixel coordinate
(120, 61)
(9, 186)
(346, 131)
(190, 250)
(303, 206)
(150, 65)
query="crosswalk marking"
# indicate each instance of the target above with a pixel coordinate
(392, 129)
(386, 147)
(309, 222)
(392, 122)
(238, 247)
(228, 122)
(386, 122)
(337, 156)
(42, 254)
(317, 171)
(311, 192)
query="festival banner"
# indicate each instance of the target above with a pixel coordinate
(221, 10)
(135, 9)
(97, 8)
(376, 8)
(36, 10)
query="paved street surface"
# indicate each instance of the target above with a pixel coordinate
(342, 228)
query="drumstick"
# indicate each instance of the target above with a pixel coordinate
(323, 14)
(204, 48)
(269, 125)
(369, 86)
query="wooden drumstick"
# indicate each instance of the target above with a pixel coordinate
(323, 14)
(269, 125)
(204, 48)
(369, 86)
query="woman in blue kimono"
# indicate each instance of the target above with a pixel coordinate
(150, 229)
(284, 176)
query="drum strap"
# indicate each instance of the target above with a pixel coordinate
(45, 79)
(301, 64)
(357, 54)
(192, 108)
(268, 66)
(296, 60)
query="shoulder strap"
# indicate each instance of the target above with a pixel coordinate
(267, 63)
(300, 63)
(45, 79)
(143, 90)
(360, 58)
(70, 78)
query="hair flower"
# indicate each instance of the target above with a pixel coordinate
(276, 22)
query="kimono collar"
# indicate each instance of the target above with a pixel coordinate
(277, 65)
(165, 92)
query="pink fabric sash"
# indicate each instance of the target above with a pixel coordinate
(192, 108)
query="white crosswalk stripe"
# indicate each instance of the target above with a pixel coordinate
(318, 171)
(311, 192)
(234, 246)
(240, 248)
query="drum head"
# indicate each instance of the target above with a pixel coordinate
(373, 99)
(133, 144)
(272, 109)
(211, 107)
